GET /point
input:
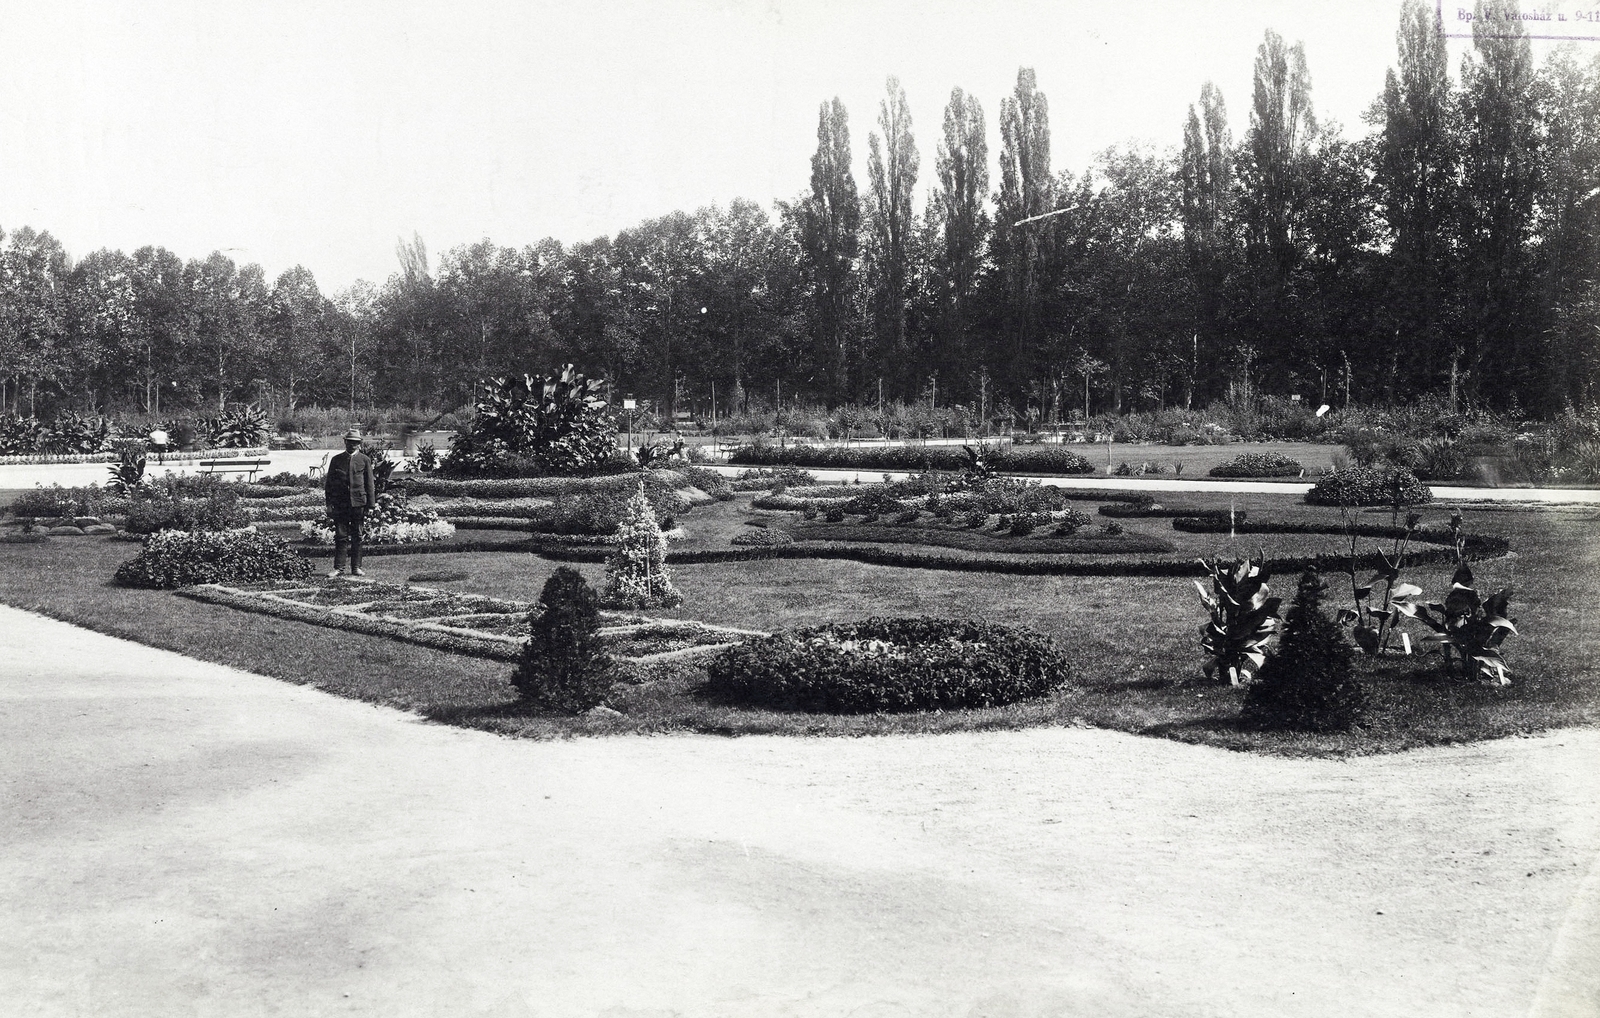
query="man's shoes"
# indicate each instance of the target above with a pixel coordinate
(358, 571)
(335, 572)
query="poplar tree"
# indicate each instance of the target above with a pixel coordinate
(1500, 164)
(1026, 190)
(892, 174)
(830, 223)
(962, 165)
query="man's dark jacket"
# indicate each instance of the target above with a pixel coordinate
(351, 481)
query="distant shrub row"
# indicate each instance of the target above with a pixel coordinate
(1052, 459)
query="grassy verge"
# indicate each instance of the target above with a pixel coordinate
(1133, 641)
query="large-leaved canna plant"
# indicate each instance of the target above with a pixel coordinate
(1470, 628)
(1373, 626)
(1243, 619)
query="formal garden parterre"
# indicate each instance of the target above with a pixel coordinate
(881, 599)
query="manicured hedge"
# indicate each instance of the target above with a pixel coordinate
(890, 665)
(1477, 545)
(979, 541)
(1364, 486)
(1034, 460)
(1259, 464)
(175, 558)
(539, 487)
(1125, 512)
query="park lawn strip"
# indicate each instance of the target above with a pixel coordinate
(1132, 640)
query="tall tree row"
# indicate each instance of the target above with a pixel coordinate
(1454, 250)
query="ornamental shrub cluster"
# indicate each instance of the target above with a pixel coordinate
(891, 665)
(55, 501)
(1049, 459)
(218, 512)
(392, 521)
(1259, 464)
(175, 558)
(601, 508)
(1369, 486)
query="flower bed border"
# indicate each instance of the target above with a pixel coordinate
(43, 459)
(458, 640)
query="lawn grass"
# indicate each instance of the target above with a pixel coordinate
(1133, 640)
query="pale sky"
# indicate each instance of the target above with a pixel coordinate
(320, 133)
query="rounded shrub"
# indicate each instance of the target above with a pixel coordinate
(1307, 684)
(1259, 464)
(1369, 486)
(563, 669)
(177, 558)
(890, 665)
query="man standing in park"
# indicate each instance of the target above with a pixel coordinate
(352, 489)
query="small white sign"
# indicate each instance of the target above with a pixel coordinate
(629, 404)
(1295, 398)
(1324, 408)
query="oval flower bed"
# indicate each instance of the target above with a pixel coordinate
(890, 665)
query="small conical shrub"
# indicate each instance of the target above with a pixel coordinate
(563, 670)
(636, 574)
(1306, 685)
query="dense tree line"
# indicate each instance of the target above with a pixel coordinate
(1453, 248)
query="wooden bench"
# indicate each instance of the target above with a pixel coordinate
(233, 467)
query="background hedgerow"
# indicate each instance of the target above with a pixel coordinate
(890, 664)
(175, 558)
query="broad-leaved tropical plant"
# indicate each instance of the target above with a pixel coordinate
(1243, 619)
(1471, 628)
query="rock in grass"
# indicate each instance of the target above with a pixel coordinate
(602, 713)
(65, 531)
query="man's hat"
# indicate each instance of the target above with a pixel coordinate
(353, 435)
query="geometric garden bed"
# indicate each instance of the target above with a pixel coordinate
(462, 623)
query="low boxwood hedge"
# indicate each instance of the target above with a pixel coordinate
(175, 558)
(1364, 486)
(1041, 542)
(890, 665)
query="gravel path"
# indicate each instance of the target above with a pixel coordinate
(185, 839)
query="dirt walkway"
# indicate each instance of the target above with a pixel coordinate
(183, 839)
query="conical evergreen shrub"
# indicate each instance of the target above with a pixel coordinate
(1307, 684)
(636, 574)
(563, 670)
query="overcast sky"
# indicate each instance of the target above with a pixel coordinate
(319, 133)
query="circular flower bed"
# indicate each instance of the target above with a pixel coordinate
(891, 665)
